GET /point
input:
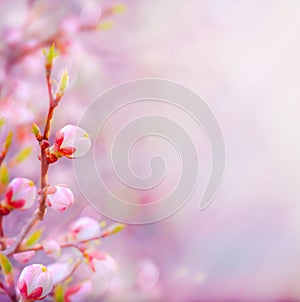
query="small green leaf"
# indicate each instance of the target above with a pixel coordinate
(33, 238)
(23, 155)
(59, 293)
(118, 8)
(51, 54)
(64, 80)
(4, 175)
(8, 140)
(115, 228)
(63, 85)
(5, 264)
(2, 122)
(36, 130)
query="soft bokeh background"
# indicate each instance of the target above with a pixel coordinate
(243, 59)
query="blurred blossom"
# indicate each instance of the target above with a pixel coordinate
(90, 14)
(59, 197)
(148, 275)
(64, 265)
(12, 36)
(60, 271)
(85, 228)
(24, 257)
(52, 248)
(79, 292)
(69, 25)
(35, 282)
(16, 113)
(102, 264)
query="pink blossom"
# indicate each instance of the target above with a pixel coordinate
(24, 257)
(90, 15)
(69, 25)
(71, 141)
(85, 228)
(51, 248)
(102, 264)
(35, 282)
(20, 194)
(62, 269)
(59, 197)
(12, 36)
(148, 275)
(79, 292)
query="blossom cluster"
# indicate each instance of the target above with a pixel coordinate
(74, 248)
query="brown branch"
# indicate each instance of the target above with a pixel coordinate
(25, 230)
(39, 247)
(44, 144)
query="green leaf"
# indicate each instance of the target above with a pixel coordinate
(115, 228)
(34, 238)
(36, 130)
(23, 154)
(5, 264)
(59, 293)
(63, 85)
(8, 140)
(64, 80)
(2, 122)
(4, 175)
(51, 54)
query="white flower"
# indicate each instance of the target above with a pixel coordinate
(35, 282)
(72, 141)
(52, 248)
(59, 197)
(20, 193)
(85, 228)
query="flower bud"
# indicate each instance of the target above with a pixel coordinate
(59, 197)
(24, 257)
(102, 264)
(52, 248)
(20, 194)
(85, 228)
(35, 282)
(71, 141)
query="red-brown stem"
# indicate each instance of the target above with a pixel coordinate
(2, 156)
(7, 292)
(40, 212)
(25, 230)
(64, 245)
(44, 160)
(1, 227)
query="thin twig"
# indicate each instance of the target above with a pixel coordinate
(25, 230)
(39, 247)
(1, 226)
(6, 291)
(40, 212)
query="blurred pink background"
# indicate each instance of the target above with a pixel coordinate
(243, 59)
